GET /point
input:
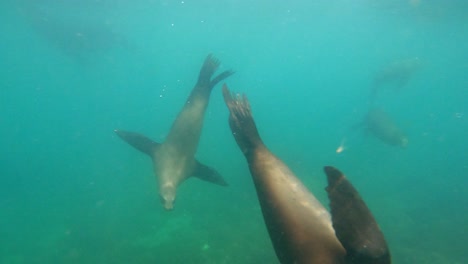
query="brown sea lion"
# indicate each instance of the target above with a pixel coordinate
(299, 226)
(379, 123)
(174, 159)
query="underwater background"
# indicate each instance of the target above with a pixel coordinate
(73, 71)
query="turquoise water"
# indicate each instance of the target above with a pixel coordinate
(73, 71)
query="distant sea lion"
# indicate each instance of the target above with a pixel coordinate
(382, 126)
(300, 228)
(80, 37)
(174, 160)
(395, 75)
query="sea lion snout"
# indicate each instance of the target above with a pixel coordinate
(404, 142)
(167, 204)
(167, 195)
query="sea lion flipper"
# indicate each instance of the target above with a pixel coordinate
(209, 67)
(221, 77)
(241, 121)
(138, 141)
(206, 173)
(353, 222)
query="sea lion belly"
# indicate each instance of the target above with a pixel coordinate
(299, 226)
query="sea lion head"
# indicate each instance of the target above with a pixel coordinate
(167, 194)
(403, 141)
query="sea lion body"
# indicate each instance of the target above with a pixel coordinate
(383, 127)
(174, 160)
(395, 76)
(299, 226)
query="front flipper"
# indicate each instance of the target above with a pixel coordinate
(138, 141)
(353, 222)
(206, 173)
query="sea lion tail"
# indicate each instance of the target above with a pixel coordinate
(138, 141)
(209, 67)
(353, 222)
(241, 121)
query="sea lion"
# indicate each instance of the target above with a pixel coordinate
(174, 159)
(379, 123)
(354, 224)
(299, 226)
(395, 75)
(79, 37)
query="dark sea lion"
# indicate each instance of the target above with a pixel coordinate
(174, 159)
(354, 224)
(383, 127)
(299, 226)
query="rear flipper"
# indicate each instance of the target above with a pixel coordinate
(241, 121)
(209, 67)
(138, 141)
(208, 174)
(353, 222)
